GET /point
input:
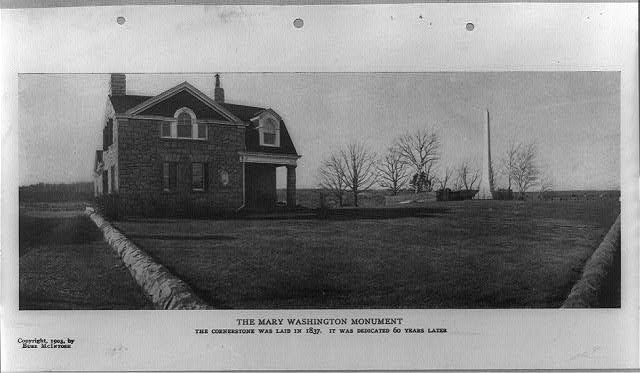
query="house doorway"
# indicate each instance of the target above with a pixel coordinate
(260, 185)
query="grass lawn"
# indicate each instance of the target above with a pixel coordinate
(65, 264)
(469, 254)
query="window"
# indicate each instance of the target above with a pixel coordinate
(269, 132)
(185, 126)
(202, 131)
(166, 129)
(169, 176)
(198, 176)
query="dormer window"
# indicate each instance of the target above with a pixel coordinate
(184, 126)
(269, 131)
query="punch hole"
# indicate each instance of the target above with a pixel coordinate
(470, 26)
(298, 23)
(121, 20)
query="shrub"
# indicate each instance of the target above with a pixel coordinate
(503, 194)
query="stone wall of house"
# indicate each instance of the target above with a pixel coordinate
(141, 153)
(110, 162)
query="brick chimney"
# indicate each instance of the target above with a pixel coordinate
(118, 85)
(218, 93)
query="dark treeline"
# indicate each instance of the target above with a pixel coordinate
(41, 192)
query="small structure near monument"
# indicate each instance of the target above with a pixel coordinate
(455, 195)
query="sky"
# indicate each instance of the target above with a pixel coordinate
(573, 117)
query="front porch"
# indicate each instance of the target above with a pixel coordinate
(259, 178)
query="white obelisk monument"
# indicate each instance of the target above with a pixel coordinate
(486, 183)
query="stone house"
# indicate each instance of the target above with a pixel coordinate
(181, 152)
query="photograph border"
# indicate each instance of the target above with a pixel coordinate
(472, 328)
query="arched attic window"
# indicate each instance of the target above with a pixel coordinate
(184, 126)
(269, 131)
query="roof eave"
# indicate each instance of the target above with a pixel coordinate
(268, 110)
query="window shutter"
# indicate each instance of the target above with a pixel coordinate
(202, 131)
(173, 176)
(162, 175)
(165, 129)
(198, 174)
(165, 175)
(205, 167)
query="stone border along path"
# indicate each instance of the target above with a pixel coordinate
(166, 291)
(586, 291)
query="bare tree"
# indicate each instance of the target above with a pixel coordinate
(331, 176)
(508, 162)
(443, 180)
(421, 149)
(467, 176)
(496, 176)
(545, 185)
(392, 171)
(525, 171)
(360, 169)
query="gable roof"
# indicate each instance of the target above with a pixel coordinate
(134, 104)
(123, 103)
(245, 113)
(185, 87)
(170, 105)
